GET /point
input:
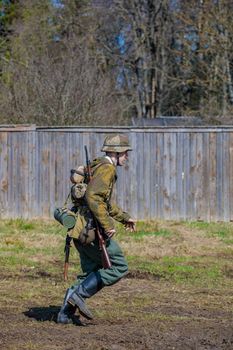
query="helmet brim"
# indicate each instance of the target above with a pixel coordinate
(117, 149)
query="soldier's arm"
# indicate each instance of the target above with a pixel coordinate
(97, 195)
(123, 217)
(118, 214)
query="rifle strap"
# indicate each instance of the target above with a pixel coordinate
(67, 200)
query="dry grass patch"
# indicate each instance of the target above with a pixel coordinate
(177, 295)
(158, 239)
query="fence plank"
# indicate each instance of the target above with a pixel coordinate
(173, 173)
(199, 176)
(160, 170)
(180, 193)
(213, 188)
(230, 176)
(225, 179)
(186, 156)
(4, 179)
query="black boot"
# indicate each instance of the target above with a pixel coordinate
(90, 286)
(67, 310)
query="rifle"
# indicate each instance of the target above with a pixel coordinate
(67, 254)
(105, 257)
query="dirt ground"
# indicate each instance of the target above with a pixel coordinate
(139, 312)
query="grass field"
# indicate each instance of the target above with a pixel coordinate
(178, 293)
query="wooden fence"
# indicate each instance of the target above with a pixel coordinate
(173, 173)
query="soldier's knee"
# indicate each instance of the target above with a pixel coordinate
(123, 269)
(114, 274)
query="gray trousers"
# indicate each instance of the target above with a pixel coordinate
(90, 259)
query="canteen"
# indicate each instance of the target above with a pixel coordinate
(65, 217)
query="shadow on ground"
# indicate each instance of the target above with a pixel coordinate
(49, 313)
(43, 313)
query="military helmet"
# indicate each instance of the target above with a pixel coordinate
(116, 143)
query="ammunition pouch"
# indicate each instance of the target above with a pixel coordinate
(86, 236)
(84, 229)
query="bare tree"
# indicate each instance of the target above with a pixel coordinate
(147, 27)
(204, 30)
(100, 62)
(55, 74)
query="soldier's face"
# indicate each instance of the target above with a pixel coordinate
(122, 158)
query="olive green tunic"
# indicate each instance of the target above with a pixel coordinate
(98, 197)
(98, 194)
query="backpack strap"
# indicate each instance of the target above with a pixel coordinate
(97, 166)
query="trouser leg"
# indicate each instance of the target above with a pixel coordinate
(90, 257)
(119, 265)
(95, 276)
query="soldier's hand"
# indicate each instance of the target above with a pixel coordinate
(110, 233)
(130, 225)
